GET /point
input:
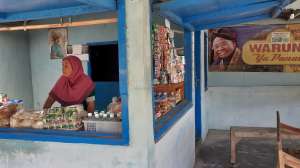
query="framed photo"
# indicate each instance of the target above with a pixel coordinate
(79, 50)
(58, 39)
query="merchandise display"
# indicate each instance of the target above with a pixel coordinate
(104, 116)
(168, 66)
(64, 118)
(13, 114)
(3, 98)
(5, 113)
(106, 122)
(115, 105)
(67, 118)
(113, 112)
(103, 125)
(168, 71)
(8, 107)
(27, 119)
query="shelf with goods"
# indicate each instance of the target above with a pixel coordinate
(169, 88)
(168, 71)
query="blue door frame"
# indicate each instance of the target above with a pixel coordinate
(197, 58)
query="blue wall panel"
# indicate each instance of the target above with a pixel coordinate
(198, 83)
(104, 92)
(123, 72)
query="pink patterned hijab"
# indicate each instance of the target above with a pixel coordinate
(72, 89)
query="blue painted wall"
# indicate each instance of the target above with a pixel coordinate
(253, 79)
(45, 72)
(104, 92)
(15, 72)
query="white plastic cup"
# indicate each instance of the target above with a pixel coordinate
(90, 115)
(97, 115)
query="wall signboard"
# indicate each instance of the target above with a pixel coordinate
(269, 48)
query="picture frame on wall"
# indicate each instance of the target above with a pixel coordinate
(57, 39)
(79, 50)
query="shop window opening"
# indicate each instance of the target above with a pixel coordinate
(47, 94)
(64, 121)
(171, 97)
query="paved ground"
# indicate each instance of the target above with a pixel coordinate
(215, 152)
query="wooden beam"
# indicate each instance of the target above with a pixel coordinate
(51, 13)
(69, 24)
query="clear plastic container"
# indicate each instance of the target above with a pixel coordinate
(103, 126)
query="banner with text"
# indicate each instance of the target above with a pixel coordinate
(268, 48)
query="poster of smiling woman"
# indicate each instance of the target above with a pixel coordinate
(265, 48)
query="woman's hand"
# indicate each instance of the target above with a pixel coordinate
(90, 106)
(48, 103)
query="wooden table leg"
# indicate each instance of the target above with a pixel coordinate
(233, 142)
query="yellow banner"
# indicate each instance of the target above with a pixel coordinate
(280, 47)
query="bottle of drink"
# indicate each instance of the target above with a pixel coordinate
(172, 99)
(5, 99)
(1, 97)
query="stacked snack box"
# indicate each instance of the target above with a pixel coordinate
(68, 118)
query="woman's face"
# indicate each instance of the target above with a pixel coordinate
(67, 68)
(222, 47)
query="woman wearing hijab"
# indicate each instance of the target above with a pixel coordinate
(73, 87)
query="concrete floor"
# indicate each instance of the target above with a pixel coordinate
(214, 152)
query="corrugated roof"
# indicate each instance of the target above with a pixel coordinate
(203, 14)
(21, 10)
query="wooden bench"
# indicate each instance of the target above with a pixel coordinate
(286, 158)
(238, 133)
